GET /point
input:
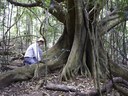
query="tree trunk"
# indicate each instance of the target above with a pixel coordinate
(27, 72)
(79, 47)
(56, 59)
(82, 56)
(18, 74)
(78, 50)
(87, 56)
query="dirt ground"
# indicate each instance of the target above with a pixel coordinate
(28, 88)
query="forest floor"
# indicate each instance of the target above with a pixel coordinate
(28, 88)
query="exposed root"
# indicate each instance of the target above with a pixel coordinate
(70, 71)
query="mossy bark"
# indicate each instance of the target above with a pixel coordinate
(27, 72)
(74, 50)
(18, 74)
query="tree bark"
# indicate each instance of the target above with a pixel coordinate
(75, 48)
(75, 58)
(106, 88)
(26, 73)
(118, 70)
(56, 60)
(57, 87)
(18, 74)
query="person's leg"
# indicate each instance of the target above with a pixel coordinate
(29, 60)
(26, 61)
(33, 60)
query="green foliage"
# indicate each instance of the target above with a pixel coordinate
(47, 2)
(29, 21)
(38, 1)
(1, 5)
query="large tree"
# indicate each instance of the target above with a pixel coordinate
(79, 50)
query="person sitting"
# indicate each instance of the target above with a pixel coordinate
(34, 52)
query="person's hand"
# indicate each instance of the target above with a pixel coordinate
(42, 61)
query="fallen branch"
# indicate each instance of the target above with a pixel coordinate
(24, 4)
(118, 70)
(64, 88)
(121, 90)
(19, 74)
(26, 73)
(106, 88)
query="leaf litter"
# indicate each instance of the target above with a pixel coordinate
(27, 88)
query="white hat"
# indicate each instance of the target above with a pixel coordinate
(40, 39)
